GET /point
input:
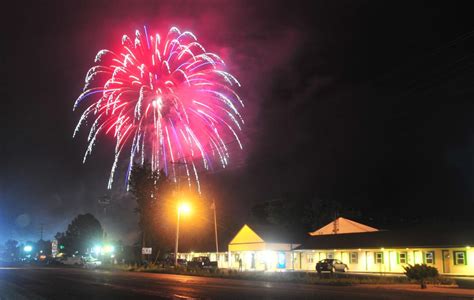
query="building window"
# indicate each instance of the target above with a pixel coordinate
(459, 257)
(429, 257)
(354, 258)
(379, 257)
(309, 258)
(402, 258)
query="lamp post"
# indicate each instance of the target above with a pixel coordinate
(182, 208)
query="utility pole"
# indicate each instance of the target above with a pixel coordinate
(178, 195)
(215, 226)
(177, 240)
(41, 231)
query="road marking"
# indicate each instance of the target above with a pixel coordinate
(176, 296)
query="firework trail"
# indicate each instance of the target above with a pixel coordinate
(165, 101)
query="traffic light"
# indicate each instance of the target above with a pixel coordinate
(61, 247)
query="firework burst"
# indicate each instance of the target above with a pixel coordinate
(165, 101)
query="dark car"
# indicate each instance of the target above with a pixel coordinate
(331, 265)
(202, 263)
(182, 262)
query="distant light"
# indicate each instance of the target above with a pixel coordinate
(109, 248)
(97, 249)
(382, 248)
(468, 247)
(360, 249)
(27, 248)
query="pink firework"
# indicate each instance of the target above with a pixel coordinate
(165, 101)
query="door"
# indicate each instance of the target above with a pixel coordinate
(446, 261)
(339, 265)
(282, 260)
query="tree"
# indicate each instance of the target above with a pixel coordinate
(12, 250)
(81, 235)
(45, 246)
(151, 190)
(421, 273)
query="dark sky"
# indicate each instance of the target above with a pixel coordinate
(365, 103)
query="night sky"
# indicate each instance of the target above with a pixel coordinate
(365, 103)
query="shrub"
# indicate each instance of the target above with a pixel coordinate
(421, 273)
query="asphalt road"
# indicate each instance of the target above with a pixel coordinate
(65, 283)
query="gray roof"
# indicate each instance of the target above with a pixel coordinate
(408, 238)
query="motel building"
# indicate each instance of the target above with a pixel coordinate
(254, 248)
(363, 248)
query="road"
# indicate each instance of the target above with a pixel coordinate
(70, 283)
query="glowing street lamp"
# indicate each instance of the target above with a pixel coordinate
(28, 248)
(183, 208)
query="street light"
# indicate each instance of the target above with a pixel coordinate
(97, 250)
(183, 208)
(28, 248)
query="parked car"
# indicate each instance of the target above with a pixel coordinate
(202, 263)
(53, 261)
(182, 262)
(92, 262)
(73, 260)
(331, 265)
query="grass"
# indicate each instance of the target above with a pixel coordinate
(340, 279)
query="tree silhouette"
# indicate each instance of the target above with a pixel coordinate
(12, 250)
(151, 190)
(81, 235)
